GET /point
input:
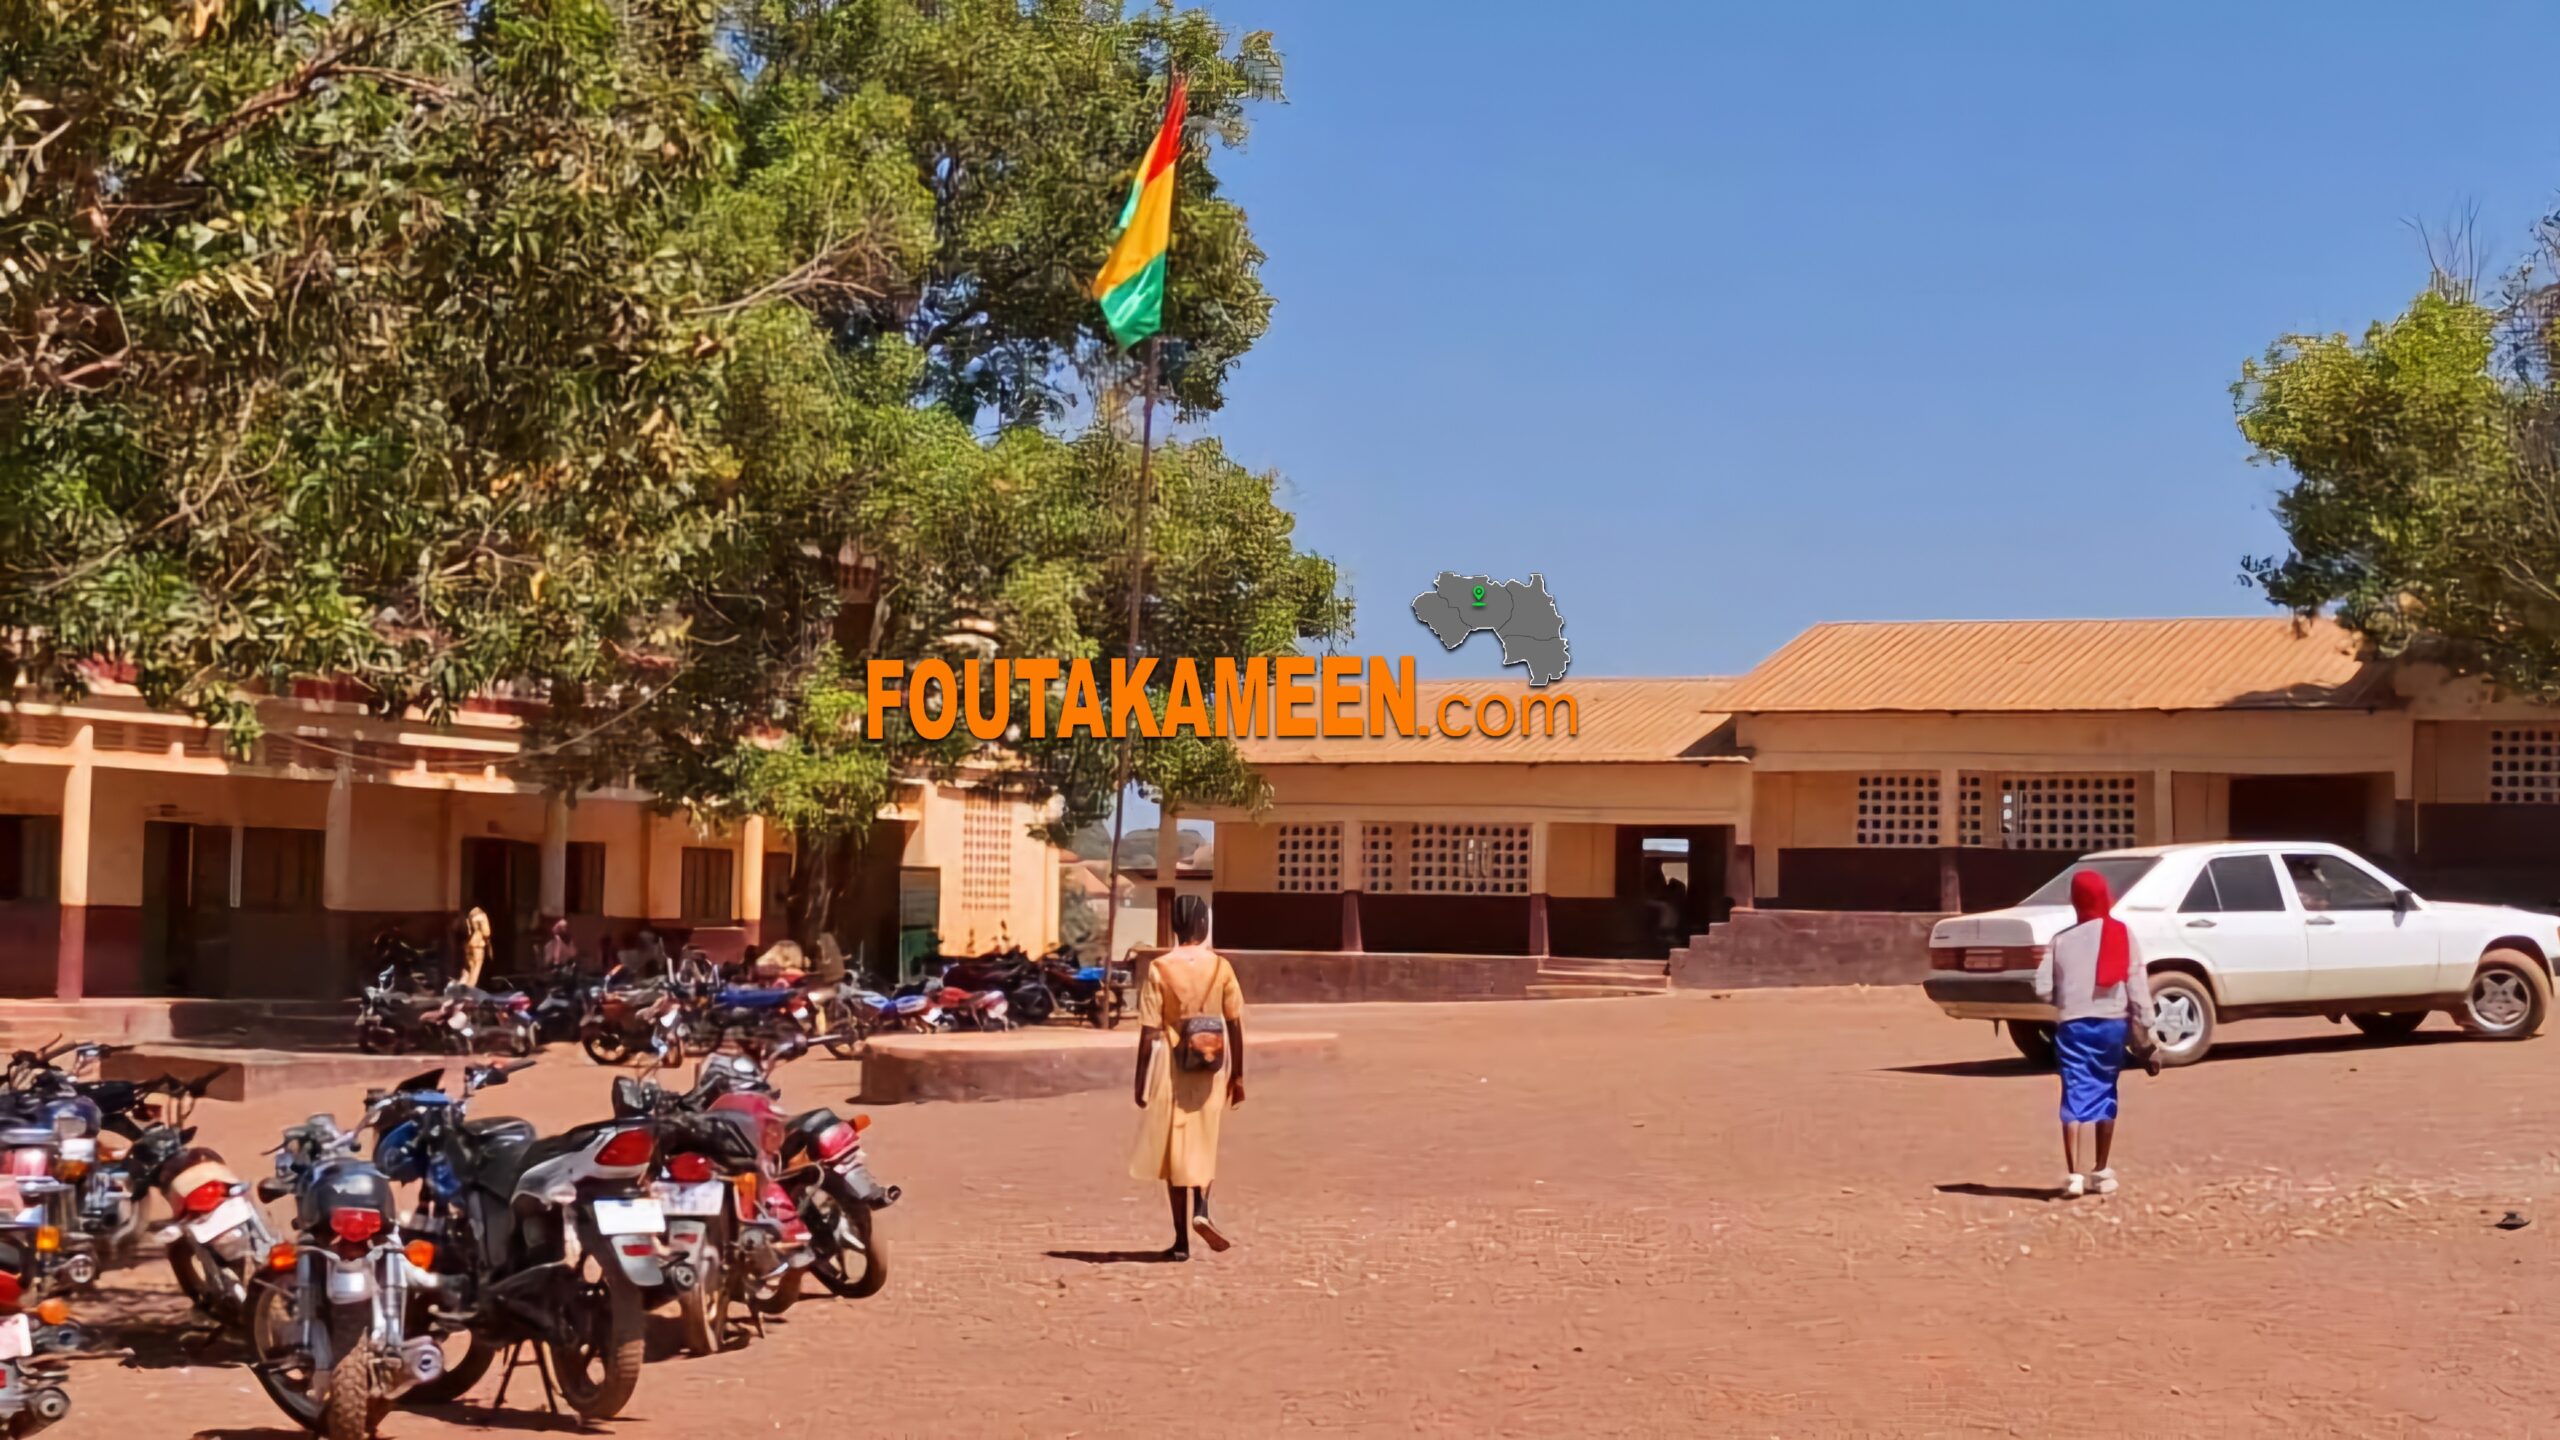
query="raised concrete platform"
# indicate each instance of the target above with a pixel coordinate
(1028, 1064)
(256, 1074)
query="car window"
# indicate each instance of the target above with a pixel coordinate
(2119, 871)
(2245, 882)
(2201, 896)
(2330, 882)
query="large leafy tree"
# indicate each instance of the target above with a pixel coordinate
(669, 357)
(2424, 509)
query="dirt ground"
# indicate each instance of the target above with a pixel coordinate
(1801, 1213)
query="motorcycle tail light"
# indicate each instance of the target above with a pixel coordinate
(11, 1290)
(835, 1140)
(355, 1226)
(691, 1169)
(202, 1199)
(48, 1239)
(627, 1150)
(282, 1256)
(53, 1310)
(30, 1162)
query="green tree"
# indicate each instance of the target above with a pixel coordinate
(2424, 510)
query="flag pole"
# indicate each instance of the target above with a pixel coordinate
(1137, 593)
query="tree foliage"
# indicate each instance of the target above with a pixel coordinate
(2425, 505)
(668, 358)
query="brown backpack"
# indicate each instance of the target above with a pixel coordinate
(1200, 1041)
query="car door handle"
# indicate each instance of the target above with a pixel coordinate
(2319, 920)
(2199, 924)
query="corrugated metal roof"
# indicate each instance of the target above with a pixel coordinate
(2259, 662)
(1619, 720)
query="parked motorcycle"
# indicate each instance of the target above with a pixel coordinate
(31, 1393)
(330, 1324)
(215, 1239)
(1028, 998)
(553, 1240)
(831, 1186)
(471, 1020)
(1099, 993)
(735, 1239)
(620, 1022)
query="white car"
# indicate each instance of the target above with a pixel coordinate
(2240, 930)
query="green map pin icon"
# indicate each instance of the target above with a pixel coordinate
(1479, 595)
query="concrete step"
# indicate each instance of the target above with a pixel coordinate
(326, 1023)
(1628, 970)
(1593, 992)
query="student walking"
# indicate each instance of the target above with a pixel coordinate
(1190, 1070)
(2094, 979)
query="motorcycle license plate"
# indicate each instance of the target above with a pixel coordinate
(17, 1338)
(702, 1198)
(630, 1217)
(226, 1217)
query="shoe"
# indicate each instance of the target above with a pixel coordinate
(2074, 1186)
(2104, 1182)
(1177, 1254)
(1208, 1231)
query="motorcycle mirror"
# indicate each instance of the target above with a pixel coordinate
(187, 1136)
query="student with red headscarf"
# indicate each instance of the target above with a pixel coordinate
(2094, 980)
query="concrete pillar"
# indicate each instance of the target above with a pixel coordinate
(1950, 837)
(1541, 843)
(449, 860)
(1740, 877)
(1355, 882)
(552, 896)
(337, 843)
(2164, 806)
(71, 944)
(751, 878)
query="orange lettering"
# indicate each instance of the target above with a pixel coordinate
(1340, 695)
(1184, 710)
(1037, 674)
(1082, 710)
(933, 724)
(991, 725)
(1244, 703)
(1484, 715)
(1390, 696)
(879, 695)
(1129, 698)
(1293, 686)
(1445, 727)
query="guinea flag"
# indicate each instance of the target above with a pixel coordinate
(1131, 285)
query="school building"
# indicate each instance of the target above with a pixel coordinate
(1811, 817)
(138, 857)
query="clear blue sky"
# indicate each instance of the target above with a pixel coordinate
(1732, 318)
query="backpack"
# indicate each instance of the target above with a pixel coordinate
(1200, 1041)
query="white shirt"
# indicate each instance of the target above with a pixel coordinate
(2068, 978)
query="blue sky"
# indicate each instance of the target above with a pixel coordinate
(1735, 318)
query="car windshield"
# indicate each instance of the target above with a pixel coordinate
(2119, 871)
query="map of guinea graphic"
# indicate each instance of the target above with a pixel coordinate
(1521, 615)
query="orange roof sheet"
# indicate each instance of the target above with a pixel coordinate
(2258, 662)
(1633, 720)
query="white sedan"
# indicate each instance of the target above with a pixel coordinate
(2241, 930)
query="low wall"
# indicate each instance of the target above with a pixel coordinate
(1759, 949)
(1323, 977)
(1043, 1061)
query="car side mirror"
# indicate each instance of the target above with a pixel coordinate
(2403, 901)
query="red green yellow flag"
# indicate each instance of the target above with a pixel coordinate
(1131, 285)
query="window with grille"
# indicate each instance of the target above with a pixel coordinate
(1381, 856)
(2524, 765)
(1898, 809)
(1309, 858)
(1470, 859)
(2073, 813)
(708, 886)
(986, 855)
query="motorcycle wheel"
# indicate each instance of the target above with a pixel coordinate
(211, 1286)
(606, 1047)
(372, 1040)
(838, 1218)
(522, 1040)
(353, 1411)
(1033, 1004)
(597, 1365)
(844, 1038)
(703, 1311)
(284, 1375)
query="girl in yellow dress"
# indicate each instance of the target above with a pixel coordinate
(1187, 987)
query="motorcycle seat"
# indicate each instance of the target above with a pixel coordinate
(499, 1127)
(504, 1163)
(753, 998)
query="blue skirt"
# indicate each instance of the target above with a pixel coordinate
(2090, 1054)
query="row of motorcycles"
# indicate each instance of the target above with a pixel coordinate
(1001, 990)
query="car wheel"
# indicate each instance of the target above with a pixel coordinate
(2394, 1025)
(2181, 1018)
(2508, 997)
(2034, 1042)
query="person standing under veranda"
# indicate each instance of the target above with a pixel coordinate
(1190, 1071)
(2093, 977)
